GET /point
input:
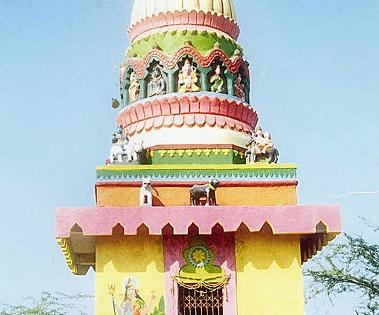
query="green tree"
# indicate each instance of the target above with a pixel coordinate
(49, 304)
(349, 265)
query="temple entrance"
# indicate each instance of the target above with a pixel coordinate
(200, 302)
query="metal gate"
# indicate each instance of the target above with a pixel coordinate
(200, 302)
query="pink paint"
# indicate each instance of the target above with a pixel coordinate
(282, 219)
(182, 105)
(185, 18)
(222, 244)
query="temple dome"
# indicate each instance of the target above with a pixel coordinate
(143, 9)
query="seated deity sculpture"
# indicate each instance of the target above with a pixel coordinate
(216, 81)
(260, 145)
(239, 87)
(119, 142)
(157, 84)
(263, 141)
(188, 78)
(134, 88)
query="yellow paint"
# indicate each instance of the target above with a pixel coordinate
(117, 257)
(67, 252)
(269, 278)
(114, 196)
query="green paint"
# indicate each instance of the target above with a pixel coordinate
(160, 309)
(197, 256)
(169, 42)
(198, 172)
(171, 81)
(193, 156)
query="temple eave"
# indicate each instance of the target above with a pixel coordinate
(77, 228)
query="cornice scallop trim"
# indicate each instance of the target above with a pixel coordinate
(190, 110)
(199, 18)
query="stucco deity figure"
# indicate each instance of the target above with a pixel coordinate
(263, 141)
(239, 87)
(134, 88)
(122, 73)
(157, 84)
(132, 303)
(216, 81)
(120, 142)
(188, 78)
(261, 144)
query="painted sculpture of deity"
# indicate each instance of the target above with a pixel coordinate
(262, 141)
(133, 303)
(157, 84)
(134, 88)
(120, 142)
(188, 78)
(261, 145)
(122, 73)
(216, 81)
(239, 87)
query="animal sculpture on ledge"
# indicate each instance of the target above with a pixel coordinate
(188, 78)
(125, 152)
(119, 142)
(146, 194)
(261, 148)
(207, 191)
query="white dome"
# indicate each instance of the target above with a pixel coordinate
(147, 8)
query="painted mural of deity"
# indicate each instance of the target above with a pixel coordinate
(188, 79)
(133, 304)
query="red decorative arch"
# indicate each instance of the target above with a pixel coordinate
(233, 64)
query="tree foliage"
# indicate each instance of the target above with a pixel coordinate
(350, 265)
(49, 304)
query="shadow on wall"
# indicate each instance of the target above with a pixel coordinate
(263, 249)
(138, 253)
(130, 254)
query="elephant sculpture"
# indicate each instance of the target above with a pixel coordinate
(207, 190)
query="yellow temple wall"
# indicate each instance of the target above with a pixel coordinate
(118, 257)
(269, 277)
(124, 196)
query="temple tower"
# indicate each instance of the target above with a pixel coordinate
(193, 213)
